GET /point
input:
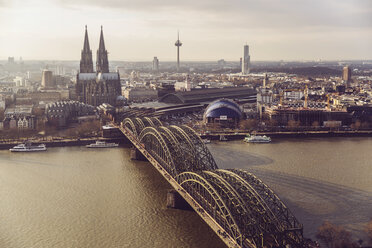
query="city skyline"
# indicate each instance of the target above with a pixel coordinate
(210, 30)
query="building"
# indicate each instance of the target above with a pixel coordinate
(221, 63)
(246, 61)
(2, 103)
(102, 86)
(20, 81)
(140, 94)
(155, 64)
(210, 94)
(265, 96)
(20, 117)
(308, 117)
(265, 81)
(346, 74)
(293, 94)
(224, 112)
(47, 79)
(61, 113)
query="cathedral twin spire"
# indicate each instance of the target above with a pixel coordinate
(86, 62)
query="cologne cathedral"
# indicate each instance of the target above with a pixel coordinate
(102, 86)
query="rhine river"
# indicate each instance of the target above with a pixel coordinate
(77, 197)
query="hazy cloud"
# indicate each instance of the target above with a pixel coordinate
(210, 29)
(252, 13)
(3, 3)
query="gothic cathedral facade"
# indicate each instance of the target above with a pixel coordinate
(102, 86)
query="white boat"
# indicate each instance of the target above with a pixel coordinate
(102, 144)
(206, 141)
(28, 147)
(257, 139)
(223, 138)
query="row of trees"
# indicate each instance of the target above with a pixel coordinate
(253, 124)
(333, 236)
(85, 129)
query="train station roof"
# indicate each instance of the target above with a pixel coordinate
(208, 95)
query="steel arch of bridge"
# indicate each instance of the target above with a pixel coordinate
(209, 198)
(148, 122)
(204, 155)
(246, 208)
(288, 226)
(251, 217)
(136, 125)
(156, 121)
(129, 125)
(191, 154)
(180, 144)
(172, 145)
(265, 219)
(157, 146)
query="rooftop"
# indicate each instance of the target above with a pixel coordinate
(205, 95)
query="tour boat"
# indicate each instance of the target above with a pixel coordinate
(257, 139)
(102, 144)
(28, 147)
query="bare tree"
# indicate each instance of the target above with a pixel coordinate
(292, 124)
(315, 124)
(249, 124)
(356, 125)
(369, 229)
(2, 115)
(38, 112)
(334, 236)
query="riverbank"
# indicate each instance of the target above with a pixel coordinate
(60, 142)
(292, 134)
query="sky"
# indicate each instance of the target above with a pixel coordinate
(138, 30)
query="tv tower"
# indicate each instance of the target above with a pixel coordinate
(178, 44)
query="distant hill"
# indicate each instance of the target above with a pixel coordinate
(303, 71)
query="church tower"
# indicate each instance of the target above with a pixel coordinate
(86, 62)
(102, 60)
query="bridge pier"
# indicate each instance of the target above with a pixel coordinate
(135, 154)
(176, 201)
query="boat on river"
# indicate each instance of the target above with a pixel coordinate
(102, 144)
(28, 147)
(257, 139)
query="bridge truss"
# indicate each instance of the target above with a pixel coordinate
(239, 207)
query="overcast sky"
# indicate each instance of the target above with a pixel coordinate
(138, 30)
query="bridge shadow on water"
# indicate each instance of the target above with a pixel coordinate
(232, 158)
(313, 201)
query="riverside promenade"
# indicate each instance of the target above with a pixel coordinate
(56, 141)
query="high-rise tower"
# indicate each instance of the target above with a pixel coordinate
(246, 61)
(178, 44)
(102, 60)
(86, 62)
(265, 81)
(47, 79)
(155, 64)
(346, 74)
